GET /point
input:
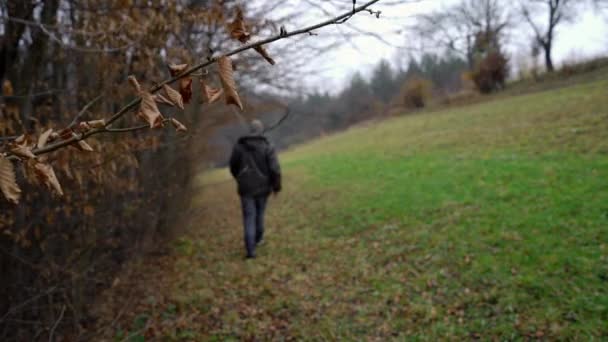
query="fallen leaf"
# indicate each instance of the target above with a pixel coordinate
(47, 175)
(8, 184)
(237, 28)
(262, 51)
(178, 125)
(228, 84)
(174, 97)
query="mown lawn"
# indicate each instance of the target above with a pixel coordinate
(487, 221)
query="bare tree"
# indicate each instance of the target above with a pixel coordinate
(557, 11)
(457, 28)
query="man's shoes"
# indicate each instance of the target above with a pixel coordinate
(252, 256)
(259, 243)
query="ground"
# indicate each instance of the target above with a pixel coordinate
(486, 221)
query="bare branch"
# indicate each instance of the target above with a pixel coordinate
(56, 324)
(211, 60)
(83, 111)
(278, 123)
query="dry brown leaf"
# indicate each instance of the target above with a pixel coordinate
(148, 111)
(44, 138)
(159, 98)
(101, 123)
(20, 148)
(185, 89)
(83, 126)
(8, 184)
(237, 28)
(209, 94)
(174, 97)
(66, 133)
(20, 139)
(227, 78)
(176, 69)
(84, 146)
(178, 125)
(133, 81)
(47, 175)
(216, 94)
(262, 51)
(7, 88)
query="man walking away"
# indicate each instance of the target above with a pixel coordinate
(255, 167)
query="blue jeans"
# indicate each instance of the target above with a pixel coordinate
(253, 221)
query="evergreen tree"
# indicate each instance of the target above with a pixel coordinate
(382, 82)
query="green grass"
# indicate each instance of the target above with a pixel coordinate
(488, 221)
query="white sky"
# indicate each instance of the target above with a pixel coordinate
(587, 37)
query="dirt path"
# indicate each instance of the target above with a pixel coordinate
(202, 288)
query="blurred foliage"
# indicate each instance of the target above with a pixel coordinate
(58, 253)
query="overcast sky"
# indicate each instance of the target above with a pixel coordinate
(587, 37)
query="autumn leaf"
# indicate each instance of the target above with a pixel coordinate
(174, 97)
(262, 51)
(101, 123)
(227, 78)
(87, 125)
(148, 111)
(66, 133)
(159, 98)
(176, 69)
(185, 89)
(237, 28)
(20, 148)
(7, 88)
(47, 175)
(178, 125)
(8, 184)
(44, 138)
(208, 93)
(134, 83)
(84, 146)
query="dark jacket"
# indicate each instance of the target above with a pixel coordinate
(255, 166)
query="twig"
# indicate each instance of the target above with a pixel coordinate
(14, 308)
(84, 110)
(127, 129)
(333, 21)
(56, 324)
(278, 123)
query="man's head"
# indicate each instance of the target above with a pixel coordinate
(256, 127)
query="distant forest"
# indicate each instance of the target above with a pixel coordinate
(387, 91)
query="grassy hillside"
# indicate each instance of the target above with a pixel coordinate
(483, 221)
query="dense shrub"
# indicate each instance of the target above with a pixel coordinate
(416, 92)
(490, 72)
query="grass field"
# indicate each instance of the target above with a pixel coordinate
(488, 221)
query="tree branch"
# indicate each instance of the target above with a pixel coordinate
(211, 60)
(83, 111)
(278, 123)
(56, 324)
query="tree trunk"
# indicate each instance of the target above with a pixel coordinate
(548, 58)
